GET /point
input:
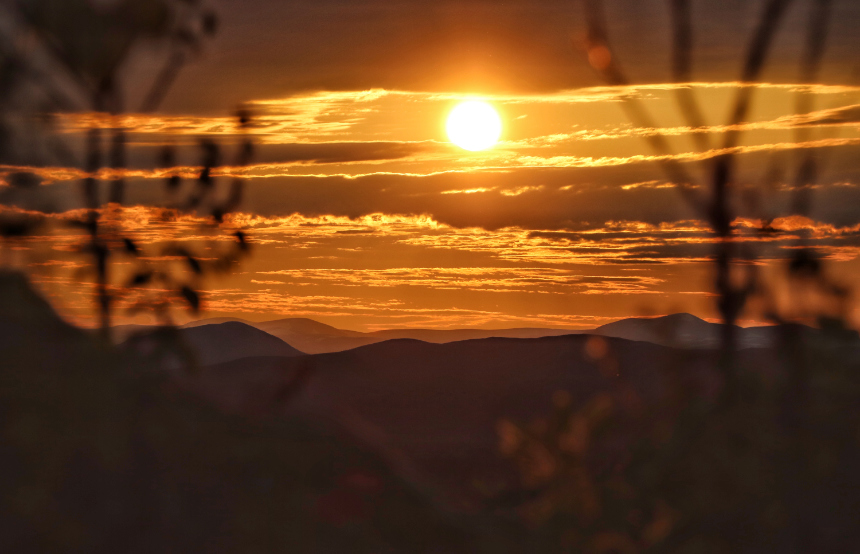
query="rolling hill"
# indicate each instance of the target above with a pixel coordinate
(684, 331)
(312, 337)
(123, 462)
(676, 330)
(317, 338)
(437, 406)
(222, 342)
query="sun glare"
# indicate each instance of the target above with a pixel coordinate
(474, 125)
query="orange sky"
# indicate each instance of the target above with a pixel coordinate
(363, 215)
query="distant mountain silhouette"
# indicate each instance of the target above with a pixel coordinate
(375, 423)
(215, 321)
(684, 331)
(133, 465)
(306, 326)
(312, 337)
(677, 330)
(121, 333)
(441, 336)
(222, 342)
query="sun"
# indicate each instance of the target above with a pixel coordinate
(474, 125)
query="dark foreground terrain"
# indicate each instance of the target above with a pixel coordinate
(222, 438)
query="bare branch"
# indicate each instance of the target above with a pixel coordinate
(163, 82)
(682, 70)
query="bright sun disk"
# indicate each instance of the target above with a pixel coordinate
(474, 125)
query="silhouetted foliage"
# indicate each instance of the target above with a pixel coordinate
(84, 50)
(99, 453)
(116, 449)
(770, 463)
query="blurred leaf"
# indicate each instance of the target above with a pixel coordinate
(205, 178)
(131, 247)
(167, 157)
(211, 153)
(242, 237)
(805, 263)
(187, 37)
(244, 116)
(210, 23)
(194, 264)
(191, 297)
(142, 278)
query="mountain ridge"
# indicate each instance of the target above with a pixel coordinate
(681, 330)
(439, 404)
(214, 343)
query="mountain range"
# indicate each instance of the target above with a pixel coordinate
(434, 409)
(431, 400)
(312, 337)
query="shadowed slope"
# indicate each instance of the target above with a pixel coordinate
(216, 321)
(313, 337)
(441, 336)
(102, 453)
(440, 404)
(222, 342)
(684, 331)
(676, 330)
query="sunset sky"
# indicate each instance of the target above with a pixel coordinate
(365, 216)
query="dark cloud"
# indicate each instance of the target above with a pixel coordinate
(273, 48)
(561, 199)
(147, 155)
(569, 199)
(143, 156)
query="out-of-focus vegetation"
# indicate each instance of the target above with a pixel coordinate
(89, 56)
(101, 451)
(774, 469)
(769, 463)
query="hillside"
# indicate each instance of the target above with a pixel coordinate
(441, 336)
(101, 453)
(221, 342)
(684, 331)
(215, 321)
(676, 330)
(438, 405)
(313, 337)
